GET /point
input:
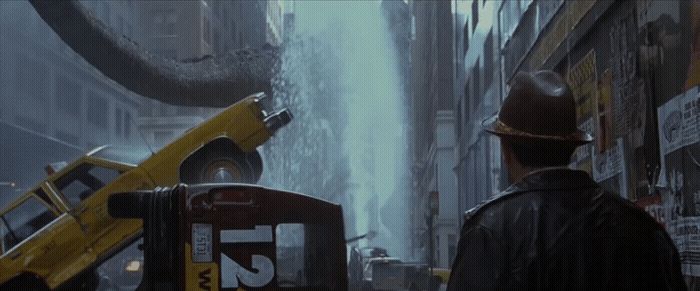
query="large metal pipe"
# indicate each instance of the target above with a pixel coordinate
(211, 81)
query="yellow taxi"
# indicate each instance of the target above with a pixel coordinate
(443, 274)
(61, 229)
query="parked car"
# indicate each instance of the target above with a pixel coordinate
(57, 233)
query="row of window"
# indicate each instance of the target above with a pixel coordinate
(33, 80)
(121, 26)
(474, 87)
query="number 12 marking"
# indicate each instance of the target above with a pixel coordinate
(262, 264)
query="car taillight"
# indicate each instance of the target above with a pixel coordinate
(232, 198)
(276, 120)
(133, 266)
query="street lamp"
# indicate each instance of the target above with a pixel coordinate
(7, 184)
(434, 200)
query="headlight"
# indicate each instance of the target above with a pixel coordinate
(133, 266)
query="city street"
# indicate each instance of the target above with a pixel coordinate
(349, 145)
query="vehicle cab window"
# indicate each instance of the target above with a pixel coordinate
(4, 232)
(305, 256)
(24, 220)
(83, 181)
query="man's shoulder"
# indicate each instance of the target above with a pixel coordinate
(510, 198)
(632, 210)
(497, 200)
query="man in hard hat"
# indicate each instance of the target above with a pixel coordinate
(554, 228)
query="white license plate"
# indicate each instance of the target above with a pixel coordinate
(201, 243)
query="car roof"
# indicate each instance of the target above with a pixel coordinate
(121, 154)
(384, 259)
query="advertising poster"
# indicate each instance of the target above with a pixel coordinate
(604, 129)
(625, 82)
(678, 144)
(582, 78)
(693, 76)
(685, 232)
(678, 122)
(582, 156)
(609, 163)
(664, 47)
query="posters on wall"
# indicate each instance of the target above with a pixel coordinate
(664, 51)
(625, 81)
(582, 156)
(608, 163)
(582, 78)
(604, 132)
(594, 98)
(644, 112)
(678, 122)
(685, 233)
(693, 75)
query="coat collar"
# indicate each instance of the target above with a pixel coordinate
(541, 180)
(552, 179)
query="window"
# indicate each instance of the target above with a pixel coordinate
(164, 22)
(21, 74)
(122, 122)
(97, 110)
(475, 13)
(26, 71)
(7, 237)
(68, 97)
(290, 255)
(37, 90)
(225, 15)
(467, 99)
(476, 79)
(171, 21)
(127, 125)
(206, 30)
(83, 181)
(459, 117)
(118, 121)
(304, 255)
(23, 221)
(42, 195)
(217, 41)
(158, 18)
(488, 60)
(465, 39)
(233, 30)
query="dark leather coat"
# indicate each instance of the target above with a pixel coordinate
(557, 230)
